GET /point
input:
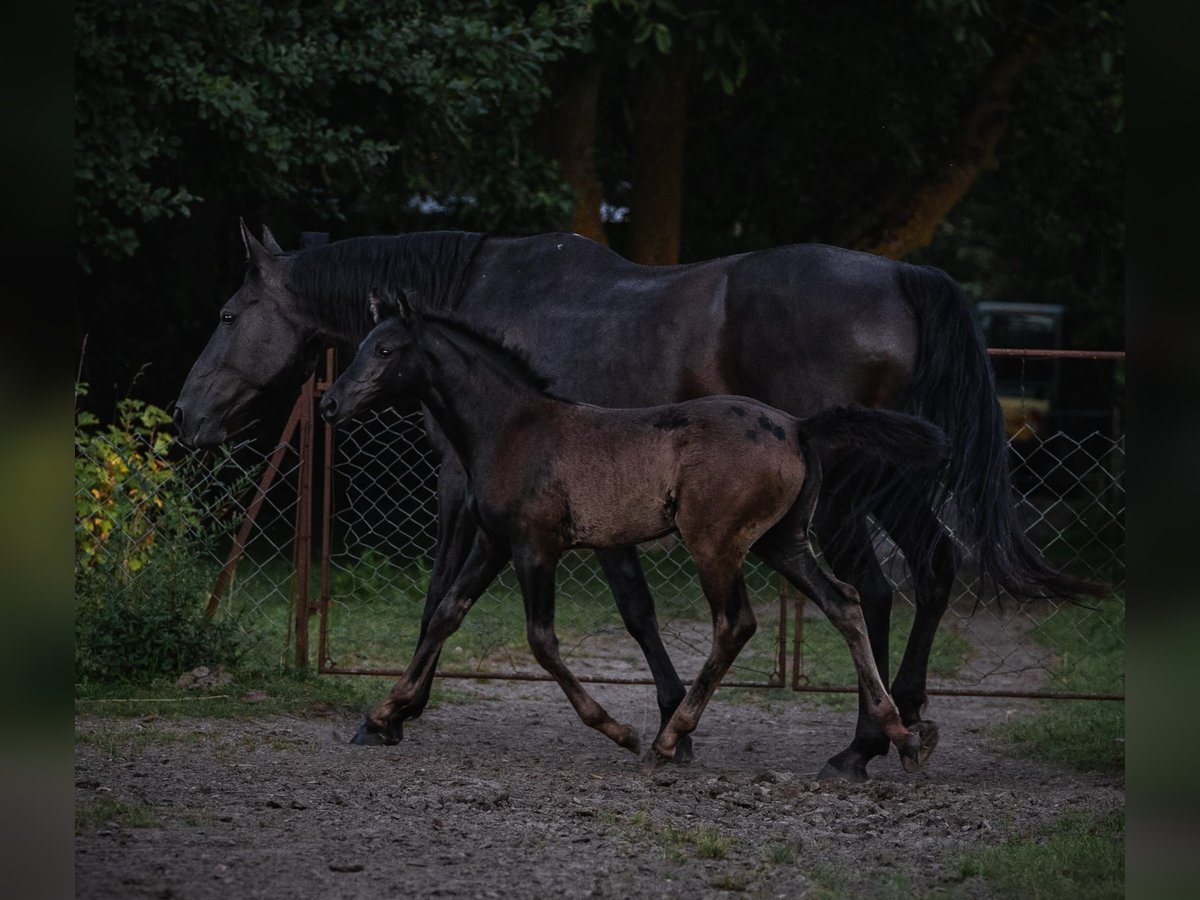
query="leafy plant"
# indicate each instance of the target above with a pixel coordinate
(141, 577)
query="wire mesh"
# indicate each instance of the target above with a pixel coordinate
(1070, 495)
(144, 510)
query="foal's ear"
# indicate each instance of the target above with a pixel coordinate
(270, 244)
(383, 306)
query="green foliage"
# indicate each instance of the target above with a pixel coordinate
(315, 106)
(140, 552)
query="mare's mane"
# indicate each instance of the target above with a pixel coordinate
(429, 268)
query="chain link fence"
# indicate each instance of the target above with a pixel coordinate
(345, 527)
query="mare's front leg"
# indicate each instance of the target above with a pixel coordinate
(409, 695)
(624, 573)
(719, 566)
(535, 572)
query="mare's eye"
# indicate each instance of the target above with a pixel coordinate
(227, 317)
(383, 351)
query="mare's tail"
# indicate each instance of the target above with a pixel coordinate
(891, 437)
(953, 387)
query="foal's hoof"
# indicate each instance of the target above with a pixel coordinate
(653, 760)
(628, 738)
(371, 735)
(846, 766)
(684, 754)
(916, 749)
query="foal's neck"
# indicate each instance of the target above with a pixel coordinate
(473, 390)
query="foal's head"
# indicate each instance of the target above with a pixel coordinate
(385, 366)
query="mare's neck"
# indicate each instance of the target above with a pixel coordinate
(473, 393)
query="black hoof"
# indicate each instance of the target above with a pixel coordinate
(371, 735)
(684, 754)
(916, 750)
(846, 766)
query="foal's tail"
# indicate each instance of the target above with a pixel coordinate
(891, 437)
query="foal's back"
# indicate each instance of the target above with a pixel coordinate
(610, 477)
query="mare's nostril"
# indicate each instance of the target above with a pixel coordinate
(178, 417)
(328, 407)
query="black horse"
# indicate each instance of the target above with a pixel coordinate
(544, 475)
(802, 328)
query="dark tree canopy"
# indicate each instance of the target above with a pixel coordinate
(983, 137)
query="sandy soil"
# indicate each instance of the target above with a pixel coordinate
(509, 796)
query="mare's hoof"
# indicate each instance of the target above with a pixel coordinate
(855, 773)
(916, 750)
(846, 766)
(684, 754)
(371, 735)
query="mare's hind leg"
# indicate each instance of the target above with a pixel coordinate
(636, 605)
(719, 565)
(410, 693)
(536, 574)
(932, 560)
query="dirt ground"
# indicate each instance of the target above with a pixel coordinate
(509, 796)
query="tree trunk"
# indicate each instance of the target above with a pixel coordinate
(898, 230)
(565, 131)
(659, 114)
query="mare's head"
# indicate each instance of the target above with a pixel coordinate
(265, 340)
(385, 367)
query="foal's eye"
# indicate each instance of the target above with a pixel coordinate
(227, 317)
(384, 351)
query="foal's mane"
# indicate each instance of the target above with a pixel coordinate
(429, 268)
(513, 361)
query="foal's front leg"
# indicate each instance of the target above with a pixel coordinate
(535, 572)
(407, 698)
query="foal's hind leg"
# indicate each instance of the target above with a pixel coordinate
(636, 605)
(793, 558)
(536, 574)
(932, 560)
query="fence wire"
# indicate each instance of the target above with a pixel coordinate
(136, 498)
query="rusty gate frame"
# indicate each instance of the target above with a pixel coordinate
(300, 427)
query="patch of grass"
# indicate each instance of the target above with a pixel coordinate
(1087, 735)
(828, 880)
(123, 743)
(734, 881)
(710, 843)
(1076, 857)
(782, 853)
(106, 809)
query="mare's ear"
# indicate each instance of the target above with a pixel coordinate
(256, 253)
(270, 244)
